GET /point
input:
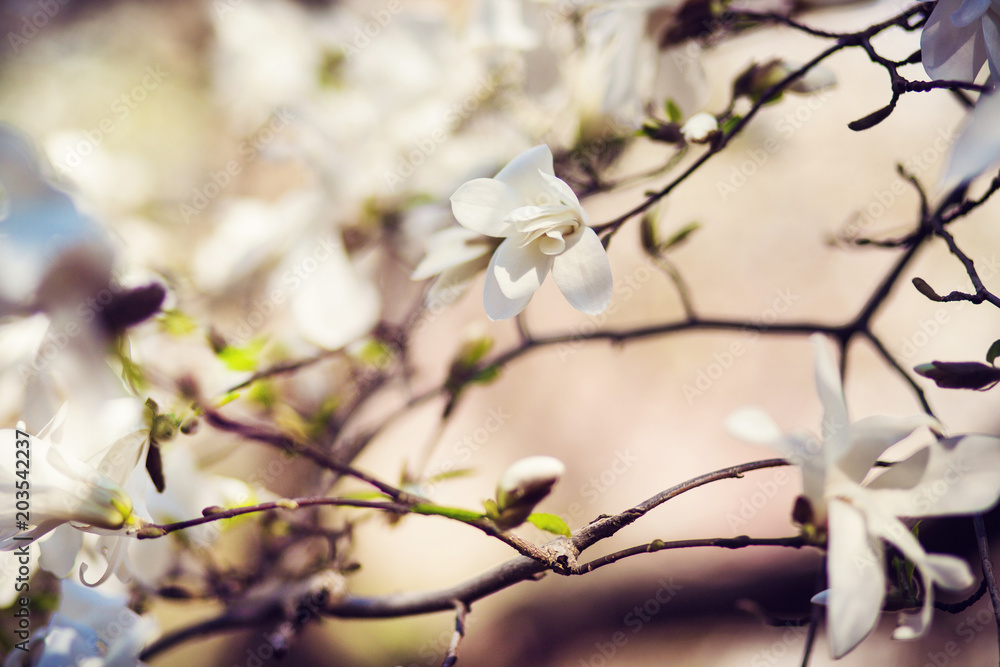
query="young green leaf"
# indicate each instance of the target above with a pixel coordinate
(550, 523)
(993, 352)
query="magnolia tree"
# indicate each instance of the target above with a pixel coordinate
(160, 340)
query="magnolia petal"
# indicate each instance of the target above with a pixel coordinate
(498, 305)
(936, 568)
(519, 271)
(451, 248)
(59, 551)
(483, 204)
(962, 476)
(949, 51)
(583, 273)
(978, 146)
(565, 194)
(871, 436)
(991, 41)
(950, 572)
(969, 11)
(453, 282)
(857, 580)
(757, 427)
(524, 175)
(835, 427)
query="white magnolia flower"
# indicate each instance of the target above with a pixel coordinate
(523, 485)
(544, 228)
(699, 128)
(621, 68)
(978, 145)
(956, 476)
(89, 629)
(960, 36)
(62, 489)
(455, 255)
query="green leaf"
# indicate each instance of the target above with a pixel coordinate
(487, 375)
(681, 235)
(673, 112)
(993, 352)
(550, 523)
(456, 513)
(492, 511)
(376, 354)
(263, 392)
(245, 358)
(450, 474)
(365, 495)
(176, 323)
(227, 398)
(730, 123)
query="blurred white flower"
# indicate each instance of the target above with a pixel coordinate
(455, 255)
(544, 228)
(89, 629)
(978, 145)
(499, 23)
(620, 70)
(956, 476)
(960, 36)
(63, 489)
(699, 128)
(523, 485)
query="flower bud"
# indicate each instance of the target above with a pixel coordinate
(960, 374)
(523, 485)
(700, 128)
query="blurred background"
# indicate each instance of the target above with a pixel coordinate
(219, 141)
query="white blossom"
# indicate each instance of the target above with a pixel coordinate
(544, 228)
(960, 36)
(523, 485)
(978, 145)
(455, 255)
(857, 514)
(699, 128)
(89, 629)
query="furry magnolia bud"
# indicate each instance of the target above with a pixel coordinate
(523, 485)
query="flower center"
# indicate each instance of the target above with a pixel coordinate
(549, 225)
